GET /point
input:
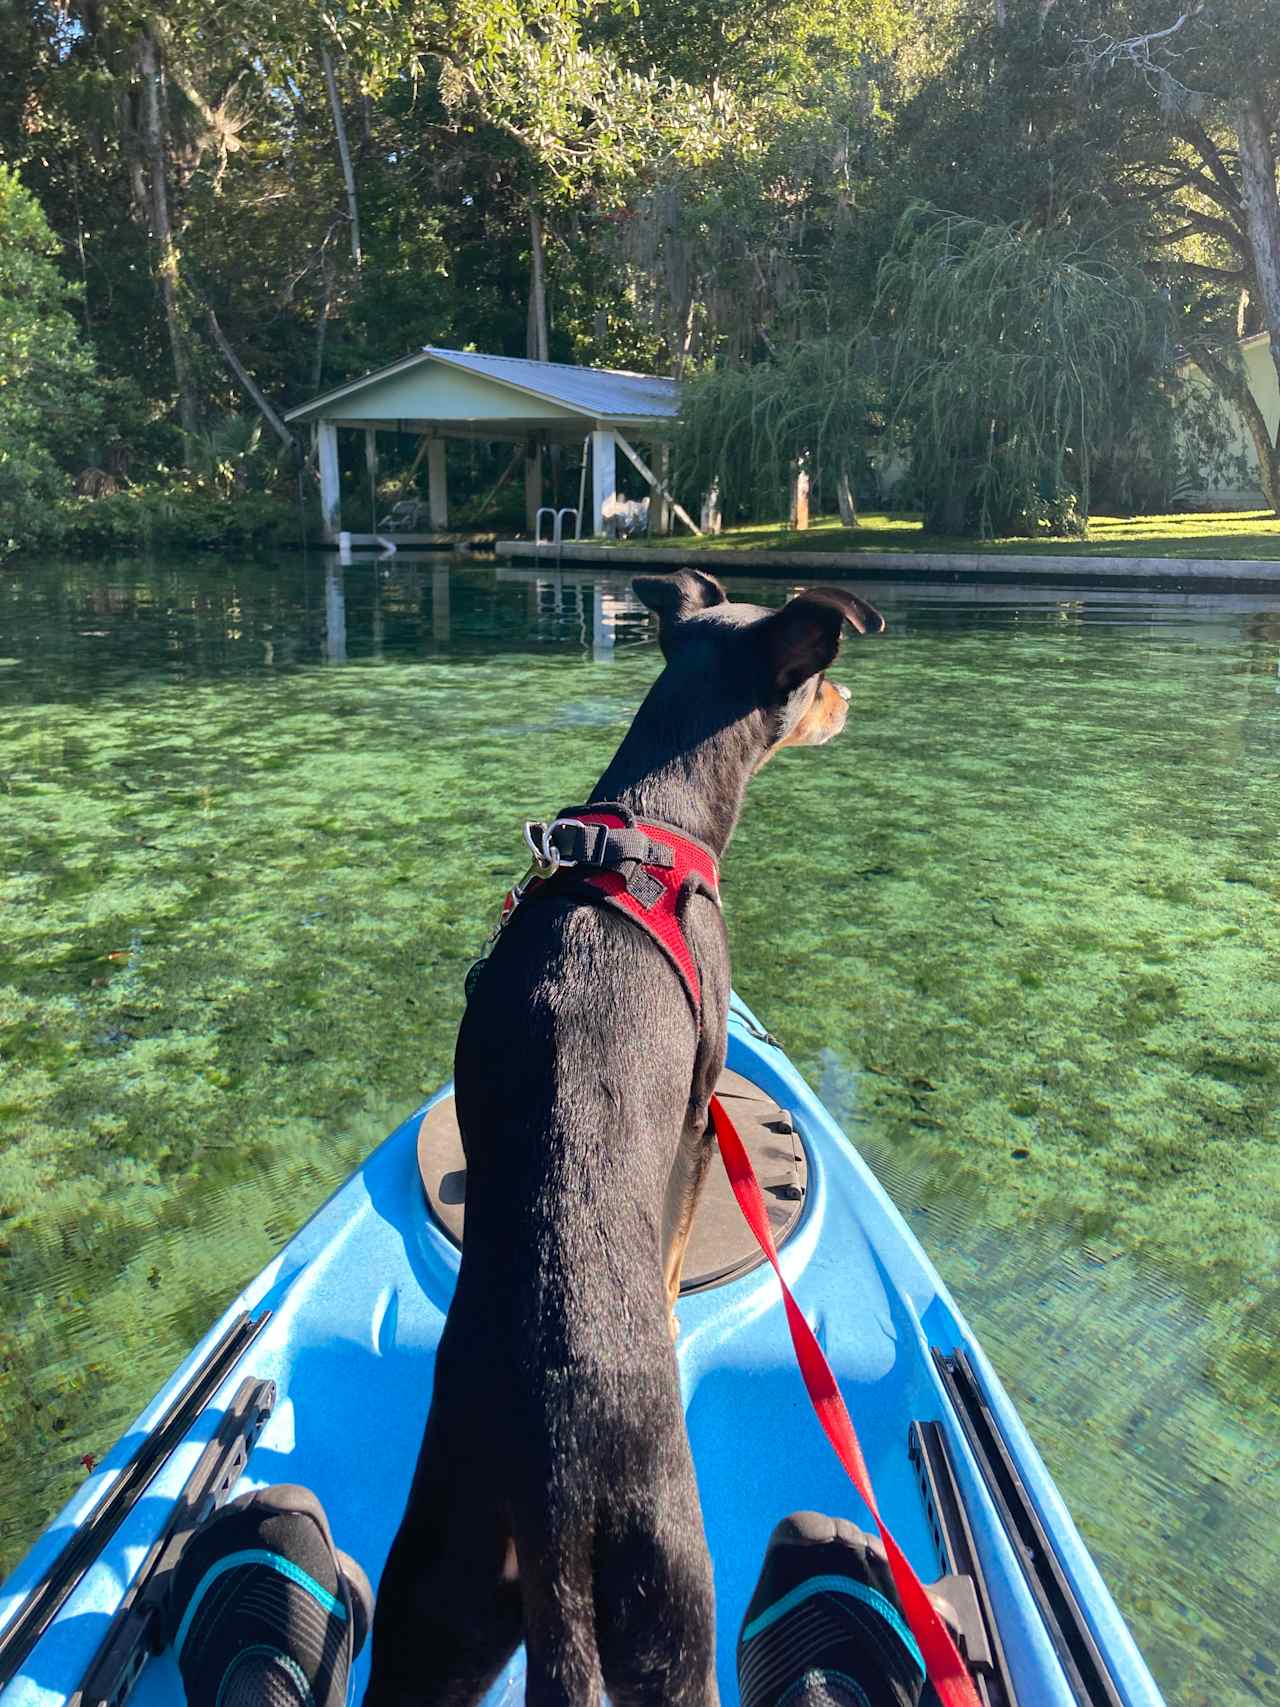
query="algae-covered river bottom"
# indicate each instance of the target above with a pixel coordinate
(1019, 925)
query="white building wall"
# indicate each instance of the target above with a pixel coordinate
(1227, 492)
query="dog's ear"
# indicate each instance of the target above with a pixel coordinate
(677, 596)
(804, 636)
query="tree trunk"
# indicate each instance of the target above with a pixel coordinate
(845, 500)
(537, 348)
(246, 379)
(322, 324)
(683, 344)
(946, 514)
(1262, 219)
(538, 344)
(139, 200)
(344, 155)
(161, 230)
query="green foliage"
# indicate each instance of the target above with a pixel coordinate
(49, 401)
(743, 428)
(716, 182)
(174, 519)
(231, 455)
(1012, 356)
(1008, 361)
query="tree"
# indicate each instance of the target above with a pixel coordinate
(270, 196)
(49, 400)
(1213, 75)
(746, 428)
(1153, 122)
(738, 250)
(1012, 355)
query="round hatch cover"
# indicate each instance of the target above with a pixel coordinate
(721, 1245)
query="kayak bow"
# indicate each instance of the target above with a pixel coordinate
(345, 1322)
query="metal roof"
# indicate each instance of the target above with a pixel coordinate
(592, 390)
(595, 392)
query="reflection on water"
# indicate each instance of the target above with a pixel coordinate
(335, 616)
(1018, 924)
(594, 608)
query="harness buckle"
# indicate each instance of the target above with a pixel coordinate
(546, 855)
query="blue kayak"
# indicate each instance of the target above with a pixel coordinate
(321, 1372)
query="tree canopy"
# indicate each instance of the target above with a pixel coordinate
(50, 402)
(700, 189)
(1013, 354)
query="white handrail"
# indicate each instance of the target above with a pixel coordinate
(557, 527)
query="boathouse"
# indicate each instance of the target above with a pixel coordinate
(461, 394)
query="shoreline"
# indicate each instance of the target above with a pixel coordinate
(1173, 573)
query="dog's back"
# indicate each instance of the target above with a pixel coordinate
(569, 1145)
(554, 1497)
(556, 1466)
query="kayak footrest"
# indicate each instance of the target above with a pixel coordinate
(1063, 1616)
(41, 1606)
(136, 1631)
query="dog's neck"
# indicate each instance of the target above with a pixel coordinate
(669, 769)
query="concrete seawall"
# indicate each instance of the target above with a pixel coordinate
(1175, 573)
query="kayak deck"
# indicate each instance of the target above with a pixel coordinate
(357, 1302)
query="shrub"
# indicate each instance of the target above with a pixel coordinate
(178, 518)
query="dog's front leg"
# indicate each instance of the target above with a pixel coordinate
(684, 1187)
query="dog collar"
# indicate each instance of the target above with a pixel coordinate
(644, 869)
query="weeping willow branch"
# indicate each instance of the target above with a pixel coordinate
(1006, 359)
(743, 428)
(1011, 354)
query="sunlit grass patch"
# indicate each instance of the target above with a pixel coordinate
(1216, 533)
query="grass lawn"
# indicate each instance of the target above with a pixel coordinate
(1216, 533)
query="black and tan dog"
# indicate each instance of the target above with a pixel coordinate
(554, 1499)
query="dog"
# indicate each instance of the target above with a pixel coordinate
(554, 1499)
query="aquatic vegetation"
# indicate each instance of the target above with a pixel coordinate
(1018, 926)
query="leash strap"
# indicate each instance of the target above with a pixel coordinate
(946, 1670)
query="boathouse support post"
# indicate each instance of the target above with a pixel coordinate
(330, 497)
(604, 483)
(657, 485)
(660, 502)
(371, 467)
(532, 483)
(438, 483)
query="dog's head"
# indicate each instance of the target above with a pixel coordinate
(757, 659)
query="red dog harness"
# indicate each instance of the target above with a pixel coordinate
(645, 870)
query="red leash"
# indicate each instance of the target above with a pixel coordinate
(946, 1670)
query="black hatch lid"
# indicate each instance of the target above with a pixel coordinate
(721, 1246)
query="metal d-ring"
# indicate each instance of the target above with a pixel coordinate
(546, 855)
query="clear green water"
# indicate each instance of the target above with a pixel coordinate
(1019, 925)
